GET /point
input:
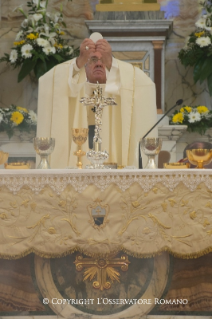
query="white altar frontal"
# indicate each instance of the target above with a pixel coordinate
(106, 244)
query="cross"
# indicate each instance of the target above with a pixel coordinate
(101, 268)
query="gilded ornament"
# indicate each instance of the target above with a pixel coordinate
(101, 269)
(135, 204)
(193, 215)
(3, 216)
(52, 230)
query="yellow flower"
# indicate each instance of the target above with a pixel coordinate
(178, 118)
(199, 34)
(59, 46)
(19, 43)
(202, 109)
(22, 109)
(187, 108)
(61, 32)
(17, 118)
(32, 36)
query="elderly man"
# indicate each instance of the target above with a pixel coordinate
(59, 109)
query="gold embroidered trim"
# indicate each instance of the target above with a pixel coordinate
(121, 249)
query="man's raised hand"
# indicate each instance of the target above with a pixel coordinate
(104, 48)
(86, 48)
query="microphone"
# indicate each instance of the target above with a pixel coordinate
(179, 102)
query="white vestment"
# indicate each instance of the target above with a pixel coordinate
(123, 125)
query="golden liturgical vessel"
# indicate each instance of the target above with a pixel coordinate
(17, 165)
(3, 157)
(80, 136)
(199, 157)
(128, 5)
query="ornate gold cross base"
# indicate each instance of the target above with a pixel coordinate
(102, 268)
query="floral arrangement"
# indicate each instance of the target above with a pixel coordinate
(198, 48)
(17, 117)
(198, 118)
(39, 45)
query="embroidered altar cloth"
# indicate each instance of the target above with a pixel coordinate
(55, 212)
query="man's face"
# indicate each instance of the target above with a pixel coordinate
(95, 69)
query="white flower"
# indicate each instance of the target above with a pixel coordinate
(203, 41)
(49, 15)
(1, 117)
(57, 17)
(43, 4)
(35, 2)
(46, 27)
(200, 23)
(70, 51)
(48, 50)
(18, 36)
(26, 50)
(37, 16)
(42, 42)
(32, 116)
(209, 29)
(24, 24)
(13, 56)
(194, 117)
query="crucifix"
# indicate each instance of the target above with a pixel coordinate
(96, 156)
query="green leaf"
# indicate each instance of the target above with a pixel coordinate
(51, 63)
(41, 57)
(58, 58)
(40, 68)
(206, 69)
(210, 84)
(198, 70)
(27, 66)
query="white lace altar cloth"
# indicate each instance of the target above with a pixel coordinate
(59, 179)
(98, 212)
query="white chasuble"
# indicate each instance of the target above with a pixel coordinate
(123, 124)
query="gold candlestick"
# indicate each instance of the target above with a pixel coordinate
(79, 137)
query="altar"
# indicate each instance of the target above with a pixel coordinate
(105, 243)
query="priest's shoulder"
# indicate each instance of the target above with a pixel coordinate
(57, 68)
(141, 78)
